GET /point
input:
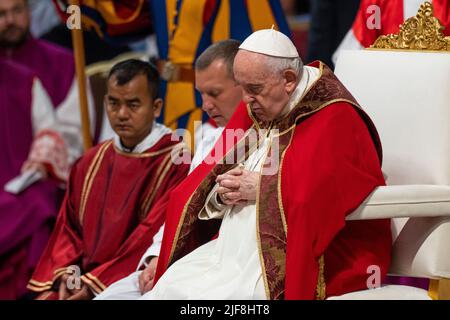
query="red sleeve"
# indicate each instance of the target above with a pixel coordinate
(129, 254)
(65, 245)
(365, 36)
(442, 12)
(330, 167)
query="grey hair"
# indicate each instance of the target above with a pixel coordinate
(225, 50)
(278, 65)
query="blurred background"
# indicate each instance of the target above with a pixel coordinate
(317, 27)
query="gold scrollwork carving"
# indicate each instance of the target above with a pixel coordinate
(422, 32)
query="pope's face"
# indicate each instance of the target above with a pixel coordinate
(266, 92)
(131, 109)
(14, 23)
(220, 93)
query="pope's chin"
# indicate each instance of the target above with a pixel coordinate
(258, 112)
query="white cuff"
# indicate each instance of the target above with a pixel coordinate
(213, 209)
(153, 250)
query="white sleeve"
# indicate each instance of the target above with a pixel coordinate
(205, 137)
(153, 250)
(213, 209)
(42, 111)
(69, 119)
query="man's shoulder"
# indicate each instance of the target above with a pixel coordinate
(17, 73)
(51, 49)
(336, 117)
(166, 144)
(334, 112)
(10, 65)
(92, 154)
(177, 150)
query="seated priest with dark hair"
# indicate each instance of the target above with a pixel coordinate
(111, 191)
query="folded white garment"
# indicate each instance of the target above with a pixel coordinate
(23, 181)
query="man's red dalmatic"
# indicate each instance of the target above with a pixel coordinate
(105, 223)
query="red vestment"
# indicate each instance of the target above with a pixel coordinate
(330, 161)
(105, 223)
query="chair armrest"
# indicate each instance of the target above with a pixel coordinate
(404, 201)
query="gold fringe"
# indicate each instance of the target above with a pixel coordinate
(321, 286)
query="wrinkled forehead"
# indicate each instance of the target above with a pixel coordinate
(136, 87)
(251, 67)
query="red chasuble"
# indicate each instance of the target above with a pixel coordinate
(330, 161)
(114, 204)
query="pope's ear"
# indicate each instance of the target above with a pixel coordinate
(157, 107)
(291, 78)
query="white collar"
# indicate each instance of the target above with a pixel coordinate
(309, 76)
(158, 131)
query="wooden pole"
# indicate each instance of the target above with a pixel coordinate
(78, 49)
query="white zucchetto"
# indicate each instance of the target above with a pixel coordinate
(270, 42)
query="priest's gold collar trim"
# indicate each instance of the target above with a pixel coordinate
(146, 154)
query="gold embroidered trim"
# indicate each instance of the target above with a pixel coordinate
(316, 110)
(180, 224)
(60, 271)
(34, 288)
(145, 154)
(38, 286)
(321, 285)
(152, 189)
(183, 214)
(167, 167)
(96, 280)
(250, 114)
(92, 171)
(258, 237)
(280, 195)
(91, 284)
(308, 89)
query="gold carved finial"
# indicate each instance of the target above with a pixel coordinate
(422, 32)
